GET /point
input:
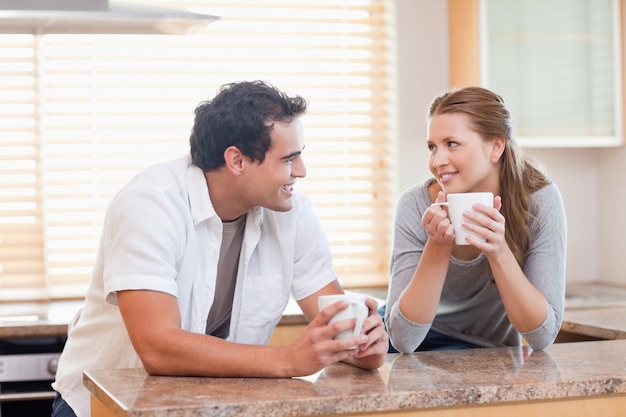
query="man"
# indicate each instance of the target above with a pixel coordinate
(199, 256)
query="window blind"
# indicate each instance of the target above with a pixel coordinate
(558, 65)
(81, 114)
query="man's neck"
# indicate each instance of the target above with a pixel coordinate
(225, 196)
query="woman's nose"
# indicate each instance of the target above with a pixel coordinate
(439, 158)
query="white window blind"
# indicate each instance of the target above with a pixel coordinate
(558, 65)
(81, 114)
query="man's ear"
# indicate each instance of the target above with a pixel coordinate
(234, 159)
(497, 149)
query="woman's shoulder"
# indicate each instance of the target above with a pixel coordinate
(547, 201)
(418, 191)
(417, 196)
(548, 193)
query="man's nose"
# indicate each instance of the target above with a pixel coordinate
(298, 168)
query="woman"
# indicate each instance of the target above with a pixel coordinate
(493, 293)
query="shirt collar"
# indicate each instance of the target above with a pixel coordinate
(198, 192)
(200, 202)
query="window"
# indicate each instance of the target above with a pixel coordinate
(558, 66)
(81, 114)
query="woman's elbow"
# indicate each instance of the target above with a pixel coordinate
(403, 345)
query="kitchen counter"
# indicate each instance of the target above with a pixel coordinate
(36, 319)
(594, 312)
(573, 379)
(594, 323)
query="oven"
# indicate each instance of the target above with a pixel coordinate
(27, 368)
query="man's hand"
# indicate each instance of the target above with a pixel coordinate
(371, 355)
(315, 348)
(317, 338)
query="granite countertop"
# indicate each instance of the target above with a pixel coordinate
(405, 382)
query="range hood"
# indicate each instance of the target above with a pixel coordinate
(96, 16)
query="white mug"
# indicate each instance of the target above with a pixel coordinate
(459, 203)
(357, 309)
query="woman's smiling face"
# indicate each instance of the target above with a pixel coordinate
(459, 158)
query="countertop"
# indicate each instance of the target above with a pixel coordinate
(418, 381)
(36, 319)
(601, 323)
(595, 310)
(51, 318)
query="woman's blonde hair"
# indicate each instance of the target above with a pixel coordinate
(519, 175)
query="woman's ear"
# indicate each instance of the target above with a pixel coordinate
(234, 159)
(497, 149)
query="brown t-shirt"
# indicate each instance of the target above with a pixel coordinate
(218, 321)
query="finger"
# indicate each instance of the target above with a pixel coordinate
(444, 228)
(497, 202)
(332, 330)
(375, 339)
(482, 215)
(370, 323)
(351, 344)
(373, 332)
(372, 306)
(433, 215)
(338, 356)
(428, 215)
(327, 313)
(355, 343)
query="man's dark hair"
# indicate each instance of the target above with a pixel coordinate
(242, 114)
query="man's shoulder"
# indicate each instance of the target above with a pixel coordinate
(158, 182)
(173, 171)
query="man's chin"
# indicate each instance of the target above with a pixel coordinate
(284, 206)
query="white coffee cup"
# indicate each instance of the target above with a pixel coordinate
(459, 203)
(357, 309)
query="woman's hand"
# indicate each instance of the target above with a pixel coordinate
(436, 222)
(488, 223)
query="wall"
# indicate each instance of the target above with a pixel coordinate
(584, 176)
(611, 200)
(575, 171)
(422, 73)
